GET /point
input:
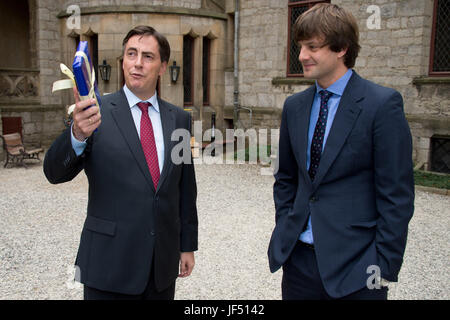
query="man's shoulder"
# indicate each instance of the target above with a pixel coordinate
(302, 94)
(377, 97)
(178, 110)
(298, 98)
(107, 98)
(375, 89)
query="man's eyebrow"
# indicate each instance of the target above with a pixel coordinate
(143, 52)
(308, 42)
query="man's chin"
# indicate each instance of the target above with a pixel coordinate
(141, 92)
(135, 88)
(308, 75)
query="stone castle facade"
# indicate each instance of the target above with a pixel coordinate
(395, 52)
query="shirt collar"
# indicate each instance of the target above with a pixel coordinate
(338, 86)
(133, 100)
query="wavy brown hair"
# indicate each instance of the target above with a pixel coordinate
(336, 26)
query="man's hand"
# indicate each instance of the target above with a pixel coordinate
(85, 120)
(187, 263)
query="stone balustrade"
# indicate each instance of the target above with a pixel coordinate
(20, 84)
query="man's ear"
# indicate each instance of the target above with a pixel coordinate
(163, 68)
(342, 53)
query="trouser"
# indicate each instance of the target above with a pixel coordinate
(302, 281)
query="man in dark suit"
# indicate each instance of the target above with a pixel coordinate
(141, 227)
(344, 190)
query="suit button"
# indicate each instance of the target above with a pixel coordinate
(312, 199)
(152, 233)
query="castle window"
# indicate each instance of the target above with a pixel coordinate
(440, 39)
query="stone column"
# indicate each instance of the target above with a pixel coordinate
(173, 92)
(1, 132)
(217, 83)
(197, 70)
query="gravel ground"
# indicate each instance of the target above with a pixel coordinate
(41, 224)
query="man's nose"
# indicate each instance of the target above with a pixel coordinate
(138, 61)
(303, 55)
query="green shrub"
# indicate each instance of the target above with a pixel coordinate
(429, 179)
(247, 152)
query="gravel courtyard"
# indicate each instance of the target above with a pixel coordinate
(40, 226)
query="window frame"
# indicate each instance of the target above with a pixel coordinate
(432, 45)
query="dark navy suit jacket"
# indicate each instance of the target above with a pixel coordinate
(130, 226)
(362, 197)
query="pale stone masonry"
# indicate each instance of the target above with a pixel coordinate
(53, 42)
(48, 46)
(180, 18)
(41, 113)
(1, 142)
(395, 54)
(190, 4)
(49, 121)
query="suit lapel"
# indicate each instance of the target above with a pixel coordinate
(168, 125)
(124, 120)
(346, 115)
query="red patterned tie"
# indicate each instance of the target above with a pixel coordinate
(319, 133)
(148, 142)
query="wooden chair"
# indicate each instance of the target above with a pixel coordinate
(15, 150)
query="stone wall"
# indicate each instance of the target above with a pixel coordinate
(53, 42)
(399, 51)
(1, 141)
(191, 4)
(43, 122)
(433, 120)
(112, 24)
(395, 55)
(392, 55)
(40, 110)
(262, 52)
(49, 50)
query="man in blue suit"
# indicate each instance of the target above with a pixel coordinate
(344, 190)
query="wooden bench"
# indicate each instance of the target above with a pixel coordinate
(15, 150)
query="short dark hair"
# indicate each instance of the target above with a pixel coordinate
(336, 25)
(164, 47)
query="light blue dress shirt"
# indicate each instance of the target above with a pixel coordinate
(155, 117)
(337, 88)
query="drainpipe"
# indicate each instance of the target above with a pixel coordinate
(236, 64)
(236, 69)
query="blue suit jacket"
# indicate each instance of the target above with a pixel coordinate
(362, 197)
